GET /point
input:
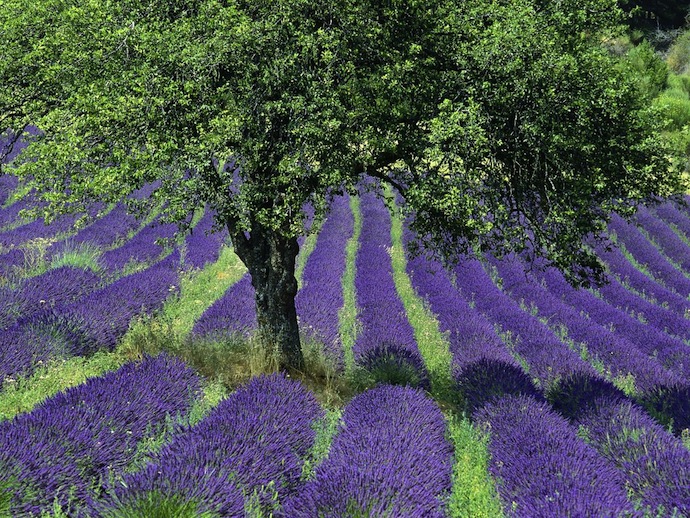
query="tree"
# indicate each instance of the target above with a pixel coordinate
(503, 124)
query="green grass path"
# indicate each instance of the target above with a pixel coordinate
(473, 493)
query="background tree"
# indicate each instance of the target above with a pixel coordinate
(651, 15)
(503, 124)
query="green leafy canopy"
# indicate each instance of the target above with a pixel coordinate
(503, 123)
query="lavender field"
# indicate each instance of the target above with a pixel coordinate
(491, 389)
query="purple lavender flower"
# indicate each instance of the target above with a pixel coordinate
(628, 274)
(543, 469)
(670, 352)
(253, 442)
(548, 357)
(321, 295)
(618, 355)
(11, 262)
(38, 229)
(575, 395)
(34, 340)
(234, 312)
(7, 184)
(202, 246)
(483, 369)
(661, 318)
(671, 213)
(95, 321)
(104, 315)
(649, 256)
(103, 233)
(141, 248)
(670, 405)
(10, 214)
(194, 487)
(54, 288)
(669, 242)
(71, 444)
(656, 465)
(386, 345)
(389, 459)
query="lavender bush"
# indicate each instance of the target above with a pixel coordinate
(619, 356)
(39, 230)
(655, 465)
(321, 295)
(663, 319)
(543, 468)
(629, 275)
(95, 321)
(390, 458)
(672, 214)
(649, 256)
(234, 312)
(8, 183)
(102, 233)
(251, 446)
(202, 246)
(68, 447)
(664, 237)
(483, 368)
(10, 214)
(54, 288)
(671, 352)
(386, 344)
(548, 357)
(104, 315)
(141, 248)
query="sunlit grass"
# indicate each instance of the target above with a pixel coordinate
(22, 394)
(431, 343)
(347, 316)
(473, 493)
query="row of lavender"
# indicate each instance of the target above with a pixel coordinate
(385, 345)
(82, 449)
(501, 313)
(626, 463)
(68, 311)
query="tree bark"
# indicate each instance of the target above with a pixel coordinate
(270, 259)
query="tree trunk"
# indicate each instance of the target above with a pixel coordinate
(270, 259)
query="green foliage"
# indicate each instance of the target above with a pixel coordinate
(651, 70)
(308, 96)
(322, 374)
(22, 394)
(347, 315)
(678, 57)
(674, 108)
(84, 255)
(679, 83)
(5, 497)
(481, 113)
(473, 493)
(154, 504)
(326, 429)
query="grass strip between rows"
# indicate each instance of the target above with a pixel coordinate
(433, 347)
(473, 491)
(197, 291)
(347, 315)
